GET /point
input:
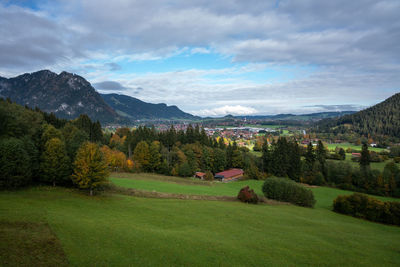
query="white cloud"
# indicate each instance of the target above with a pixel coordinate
(227, 110)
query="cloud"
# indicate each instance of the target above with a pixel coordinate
(226, 110)
(109, 86)
(347, 107)
(113, 66)
(352, 45)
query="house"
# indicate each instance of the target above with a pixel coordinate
(356, 155)
(199, 175)
(229, 175)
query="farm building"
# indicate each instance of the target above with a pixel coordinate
(199, 175)
(229, 175)
(356, 155)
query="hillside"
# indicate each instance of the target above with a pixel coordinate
(66, 95)
(121, 230)
(134, 108)
(381, 119)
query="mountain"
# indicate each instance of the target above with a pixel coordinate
(66, 95)
(301, 117)
(381, 119)
(134, 108)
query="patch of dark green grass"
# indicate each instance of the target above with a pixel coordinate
(29, 244)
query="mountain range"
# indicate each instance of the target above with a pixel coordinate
(68, 95)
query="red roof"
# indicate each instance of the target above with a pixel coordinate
(230, 173)
(200, 174)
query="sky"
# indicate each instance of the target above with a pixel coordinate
(214, 58)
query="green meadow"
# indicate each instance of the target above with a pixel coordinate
(118, 230)
(352, 146)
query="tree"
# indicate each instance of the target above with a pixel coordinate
(365, 157)
(15, 167)
(310, 157)
(320, 155)
(49, 132)
(141, 155)
(342, 154)
(266, 157)
(208, 176)
(90, 168)
(155, 156)
(55, 165)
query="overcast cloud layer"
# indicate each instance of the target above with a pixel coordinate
(214, 57)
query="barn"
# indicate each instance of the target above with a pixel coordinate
(229, 175)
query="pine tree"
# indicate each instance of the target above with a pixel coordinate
(310, 157)
(266, 157)
(321, 157)
(55, 165)
(90, 168)
(365, 158)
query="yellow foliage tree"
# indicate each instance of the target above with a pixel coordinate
(90, 168)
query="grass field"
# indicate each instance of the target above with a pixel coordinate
(116, 230)
(352, 146)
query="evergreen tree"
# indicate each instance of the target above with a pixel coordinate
(237, 158)
(294, 171)
(310, 157)
(320, 155)
(266, 158)
(219, 160)
(365, 157)
(55, 165)
(90, 168)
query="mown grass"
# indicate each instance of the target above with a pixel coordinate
(115, 230)
(166, 184)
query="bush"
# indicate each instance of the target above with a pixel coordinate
(369, 208)
(283, 189)
(247, 195)
(208, 176)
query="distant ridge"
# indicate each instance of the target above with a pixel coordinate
(134, 108)
(380, 119)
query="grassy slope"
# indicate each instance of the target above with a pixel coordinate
(123, 230)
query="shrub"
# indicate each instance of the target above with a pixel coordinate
(283, 189)
(247, 195)
(369, 208)
(208, 176)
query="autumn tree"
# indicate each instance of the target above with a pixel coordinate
(141, 155)
(155, 156)
(90, 168)
(55, 164)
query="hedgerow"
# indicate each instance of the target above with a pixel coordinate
(283, 189)
(369, 208)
